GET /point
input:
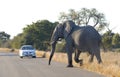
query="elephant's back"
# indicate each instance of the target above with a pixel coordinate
(91, 32)
(87, 37)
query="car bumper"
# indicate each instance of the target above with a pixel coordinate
(22, 54)
(29, 54)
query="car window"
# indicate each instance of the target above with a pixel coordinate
(27, 48)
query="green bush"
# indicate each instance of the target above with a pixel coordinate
(60, 47)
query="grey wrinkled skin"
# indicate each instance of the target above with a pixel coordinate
(78, 39)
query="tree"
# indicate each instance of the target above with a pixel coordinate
(4, 39)
(38, 34)
(4, 36)
(17, 41)
(116, 40)
(84, 17)
(107, 39)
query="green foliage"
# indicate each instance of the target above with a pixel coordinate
(111, 40)
(116, 40)
(107, 39)
(17, 41)
(60, 46)
(4, 36)
(37, 34)
(4, 39)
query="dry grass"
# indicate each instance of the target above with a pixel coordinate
(7, 50)
(109, 68)
(4, 49)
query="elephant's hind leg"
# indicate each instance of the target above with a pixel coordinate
(98, 56)
(76, 57)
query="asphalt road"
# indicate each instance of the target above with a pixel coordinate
(13, 66)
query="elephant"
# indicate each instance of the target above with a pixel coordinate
(78, 39)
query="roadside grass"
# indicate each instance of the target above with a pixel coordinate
(5, 50)
(8, 50)
(109, 68)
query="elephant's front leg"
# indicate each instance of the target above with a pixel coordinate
(69, 50)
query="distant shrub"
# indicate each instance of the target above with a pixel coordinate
(118, 50)
(60, 47)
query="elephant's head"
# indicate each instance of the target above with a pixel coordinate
(61, 31)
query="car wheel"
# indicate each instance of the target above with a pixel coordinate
(21, 56)
(33, 56)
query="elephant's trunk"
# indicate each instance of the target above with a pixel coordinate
(52, 51)
(54, 40)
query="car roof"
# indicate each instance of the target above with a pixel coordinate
(24, 46)
(27, 45)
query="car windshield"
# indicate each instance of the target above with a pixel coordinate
(27, 48)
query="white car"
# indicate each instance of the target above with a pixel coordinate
(27, 50)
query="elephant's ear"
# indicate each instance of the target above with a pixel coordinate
(68, 28)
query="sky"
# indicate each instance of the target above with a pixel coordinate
(16, 14)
